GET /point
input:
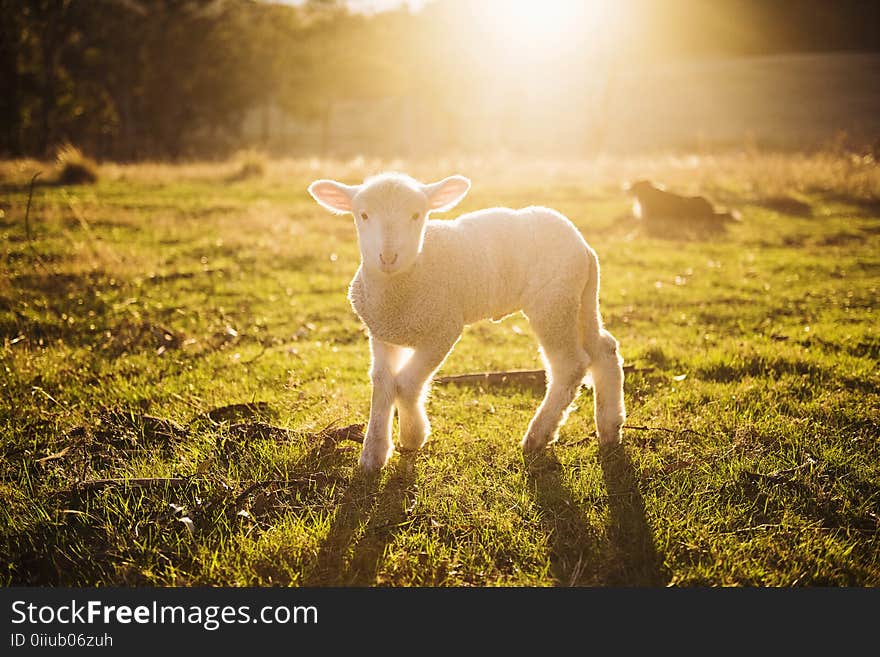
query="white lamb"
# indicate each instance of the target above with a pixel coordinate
(421, 281)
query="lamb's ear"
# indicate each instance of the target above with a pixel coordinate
(446, 194)
(332, 195)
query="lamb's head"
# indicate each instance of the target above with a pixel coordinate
(390, 211)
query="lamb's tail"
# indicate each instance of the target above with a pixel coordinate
(590, 316)
(606, 367)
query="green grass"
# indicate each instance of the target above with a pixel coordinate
(168, 292)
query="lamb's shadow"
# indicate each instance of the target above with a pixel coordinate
(624, 555)
(631, 541)
(369, 516)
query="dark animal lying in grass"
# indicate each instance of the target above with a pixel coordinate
(665, 212)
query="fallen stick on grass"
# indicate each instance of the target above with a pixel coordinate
(632, 427)
(52, 457)
(315, 478)
(536, 378)
(27, 224)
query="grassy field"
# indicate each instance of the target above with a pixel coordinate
(178, 355)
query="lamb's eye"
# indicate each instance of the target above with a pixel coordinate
(416, 215)
(364, 216)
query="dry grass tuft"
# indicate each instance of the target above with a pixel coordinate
(73, 167)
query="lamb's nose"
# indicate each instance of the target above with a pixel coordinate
(387, 261)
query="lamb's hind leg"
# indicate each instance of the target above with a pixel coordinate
(607, 373)
(566, 362)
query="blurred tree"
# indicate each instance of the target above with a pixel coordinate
(129, 79)
(11, 34)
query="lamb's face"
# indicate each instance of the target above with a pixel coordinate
(390, 216)
(390, 212)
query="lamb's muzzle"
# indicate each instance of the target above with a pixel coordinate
(448, 274)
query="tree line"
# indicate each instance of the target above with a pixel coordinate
(138, 79)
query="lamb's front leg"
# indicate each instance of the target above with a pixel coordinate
(378, 446)
(413, 386)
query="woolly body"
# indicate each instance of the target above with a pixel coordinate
(483, 265)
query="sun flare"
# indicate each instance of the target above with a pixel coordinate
(545, 24)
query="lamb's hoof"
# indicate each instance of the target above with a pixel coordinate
(610, 434)
(373, 460)
(413, 441)
(411, 445)
(533, 443)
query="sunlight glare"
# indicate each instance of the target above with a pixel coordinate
(545, 24)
